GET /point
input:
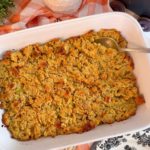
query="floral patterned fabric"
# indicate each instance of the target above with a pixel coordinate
(136, 141)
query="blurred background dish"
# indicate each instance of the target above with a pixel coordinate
(140, 7)
(63, 6)
(136, 8)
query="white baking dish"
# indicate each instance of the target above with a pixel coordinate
(132, 32)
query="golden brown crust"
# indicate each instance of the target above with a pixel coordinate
(64, 87)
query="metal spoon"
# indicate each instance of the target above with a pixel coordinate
(111, 43)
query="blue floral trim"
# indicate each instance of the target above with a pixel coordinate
(127, 142)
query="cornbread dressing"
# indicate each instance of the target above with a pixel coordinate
(71, 86)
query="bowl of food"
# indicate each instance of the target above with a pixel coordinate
(63, 6)
(62, 88)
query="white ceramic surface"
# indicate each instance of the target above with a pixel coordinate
(131, 30)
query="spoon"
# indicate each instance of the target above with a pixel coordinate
(111, 43)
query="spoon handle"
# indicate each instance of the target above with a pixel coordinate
(138, 50)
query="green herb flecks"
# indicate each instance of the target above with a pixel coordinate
(5, 5)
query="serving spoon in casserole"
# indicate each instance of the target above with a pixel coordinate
(111, 43)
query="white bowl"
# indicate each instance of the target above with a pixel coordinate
(131, 30)
(63, 6)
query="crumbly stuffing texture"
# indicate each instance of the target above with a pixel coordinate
(62, 87)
